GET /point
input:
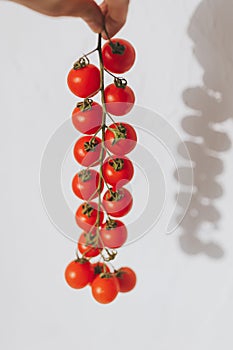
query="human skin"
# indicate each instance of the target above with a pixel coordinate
(111, 12)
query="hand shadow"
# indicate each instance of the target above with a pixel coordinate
(211, 29)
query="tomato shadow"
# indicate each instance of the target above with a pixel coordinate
(211, 105)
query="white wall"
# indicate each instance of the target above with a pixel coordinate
(184, 296)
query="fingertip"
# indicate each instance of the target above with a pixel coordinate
(96, 24)
(104, 36)
(112, 28)
(95, 27)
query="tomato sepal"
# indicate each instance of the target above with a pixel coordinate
(117, 48)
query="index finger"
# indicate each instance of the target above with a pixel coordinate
(115, 15)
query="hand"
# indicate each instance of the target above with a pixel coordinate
(111, 12)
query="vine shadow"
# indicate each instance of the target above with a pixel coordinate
(211, 30)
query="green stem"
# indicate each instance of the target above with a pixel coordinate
(96, 133)
(106, 32)
(89, 53)
(107, 71)
(102, 152)
(107, 185)
(103, 124)
(109, 115)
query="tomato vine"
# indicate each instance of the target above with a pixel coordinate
(101, 238)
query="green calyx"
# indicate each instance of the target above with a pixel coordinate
(98, 269)
(87, 209)
(106, 275)
(119, 273)
(110, 224)
(120, 83)
(81, 63)
(90, 145)
(115, 196)
(91, 239)
(85, 105)
(117, 48)
(117, 164)
(81, 260)
(120, 133)
(84, 175)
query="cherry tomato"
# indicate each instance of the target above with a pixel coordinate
(87, 150)
(117, 203)
(89, 244)
(87, 117)
(105, 289)
(118, 171)
(120, 138)
(127, 279)
(86, 216)
(84, 82)
(113, 234)
(85, 184)
(118, 56)
(97, 269)
(78, 274)
(119, 100)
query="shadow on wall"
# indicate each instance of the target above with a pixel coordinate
(211, 29)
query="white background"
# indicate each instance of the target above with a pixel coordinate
(184, 296)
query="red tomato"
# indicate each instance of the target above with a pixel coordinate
(113, 234)
(78, 274)
(127, 279)
(120, 138)
(87, 117)
(105, 289)
(119, 100)
(117, 203)
(117, 171)
(89, 244)
(86, 216)
(85, 184)
(84, 82)
(87, 150)
(118, 56)
(97, 269)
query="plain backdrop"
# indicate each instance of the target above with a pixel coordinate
(184, 296)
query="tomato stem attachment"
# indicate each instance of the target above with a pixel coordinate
(85, 105)
(81, 260)
(120, 83)
(81, 63)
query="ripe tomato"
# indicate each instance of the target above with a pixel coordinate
(97, 269)
(87, 117)
(117, 171)
(118, 56)
(85, 184)
(86, 216)
(87, 150)
(105, 289)
(89, 244)
(78, 274)
(84, 82)
(117, 203)
(113, 234)
(120, 138)
(127, 279)
(119, 100)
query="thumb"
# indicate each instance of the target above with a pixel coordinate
(115, 13)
